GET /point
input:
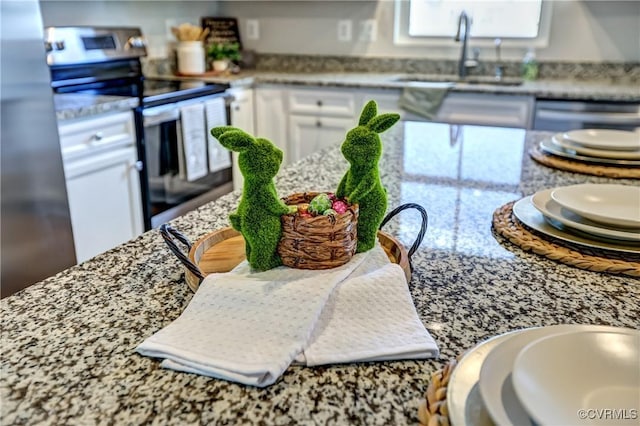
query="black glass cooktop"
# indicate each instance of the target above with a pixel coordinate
(157, 91)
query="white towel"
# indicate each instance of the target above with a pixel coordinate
(248, 327)
(216, 113)
(192, 151)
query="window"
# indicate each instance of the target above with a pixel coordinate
(517, 22)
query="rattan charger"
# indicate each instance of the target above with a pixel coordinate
(553, 161)
(319, 242)
(505, 224)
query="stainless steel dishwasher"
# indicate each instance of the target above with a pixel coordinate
(554, 115)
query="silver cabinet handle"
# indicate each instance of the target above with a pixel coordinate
(97, 136)
(138, 165)
(629, 118)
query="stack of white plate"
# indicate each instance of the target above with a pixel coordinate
(555, 375)
(598, 215)
(604, 146)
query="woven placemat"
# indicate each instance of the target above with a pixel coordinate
(568, 165)
(432, 409)
(505, 224)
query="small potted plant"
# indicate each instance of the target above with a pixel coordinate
(220, 54)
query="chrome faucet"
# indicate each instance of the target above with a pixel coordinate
(498, 70)
(464, 64)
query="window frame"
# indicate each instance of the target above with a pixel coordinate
(401, 35)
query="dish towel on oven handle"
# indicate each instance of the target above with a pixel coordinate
(249, 327)
(192, 152)
(216, 113)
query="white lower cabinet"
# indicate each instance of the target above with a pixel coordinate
(271, 118)
(487, 109)
(319, 118)
(312, 134)
(303, 119)
(242, 117)
(103, 184)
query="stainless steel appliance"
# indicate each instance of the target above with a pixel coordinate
(560, 116)
(36, 234)
(106, 60)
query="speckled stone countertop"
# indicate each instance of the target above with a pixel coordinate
(68, 342)
(589, 90)
(75, 105)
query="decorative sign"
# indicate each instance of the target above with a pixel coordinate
(222, 30)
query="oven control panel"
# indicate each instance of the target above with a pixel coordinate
(75, 45)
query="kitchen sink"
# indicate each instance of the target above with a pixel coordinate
(452, 79)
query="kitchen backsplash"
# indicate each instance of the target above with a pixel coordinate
(620, 72)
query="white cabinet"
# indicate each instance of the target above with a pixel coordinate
(103, 185)
(271, 117)
(386, 99)
(313, 133)
(487, 109)
(318, 118)
(242, 117)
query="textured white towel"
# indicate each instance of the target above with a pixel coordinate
(193, 149)
(216, 113)
(248, 327)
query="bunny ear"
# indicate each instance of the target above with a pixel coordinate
(369, 111)
(236, 140)
(382, 122)
(216, 132)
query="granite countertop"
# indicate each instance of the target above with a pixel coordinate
(68, 342)
(589, 90)
(75, 105)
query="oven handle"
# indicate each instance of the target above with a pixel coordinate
(160, 114)
(625, 118)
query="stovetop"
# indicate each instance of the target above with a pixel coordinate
(156, 91)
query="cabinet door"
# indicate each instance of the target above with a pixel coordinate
(242, 117)
(271, 118)
(310, 134)
(487, 110)
(387, 101)
(242, 110)
(104, 201)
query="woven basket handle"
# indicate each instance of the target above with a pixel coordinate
(170, 235)
(423, 226)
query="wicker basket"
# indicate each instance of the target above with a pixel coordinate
(319, 242)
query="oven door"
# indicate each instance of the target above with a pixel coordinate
(185, 167)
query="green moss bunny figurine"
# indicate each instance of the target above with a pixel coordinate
(259, 211)
(361, 184)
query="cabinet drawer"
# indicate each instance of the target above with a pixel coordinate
(81, 135)
(487, 109)
(322, 102)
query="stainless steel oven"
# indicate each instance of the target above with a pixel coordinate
(183, 167)
(186, 166)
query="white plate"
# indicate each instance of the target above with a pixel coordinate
(463, 393)
(548, 146)
(619, 140)
(495, 382)
(599, 153)
(548, 207)
(611, 204)
(557, 376)
(529, 215)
